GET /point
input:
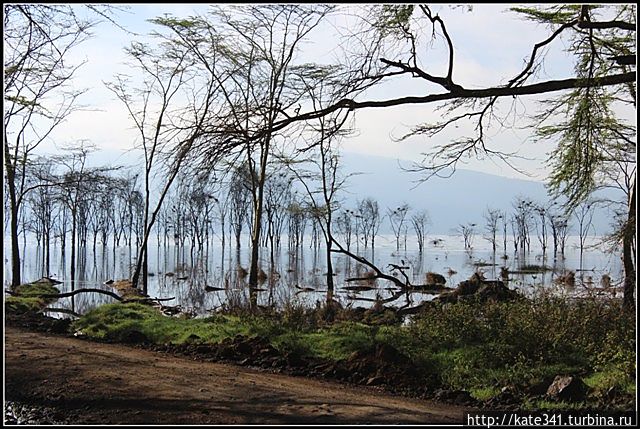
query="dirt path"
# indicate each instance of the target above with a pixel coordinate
(97, 383)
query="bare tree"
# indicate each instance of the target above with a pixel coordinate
(584, 221)
(558, 223)
(522, 219)
(491, 218)
(344, 226)
(541, 226)
(397, 219)
(467, 232)
(324, 137)
(420, 221)
(73, 184)
(42, 204)
(369, 212)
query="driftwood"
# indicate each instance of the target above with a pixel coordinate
(213, 288)
(378, 274)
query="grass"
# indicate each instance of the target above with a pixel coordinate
(484, 393)
(29, 299)
(602, 381)
(478, 347)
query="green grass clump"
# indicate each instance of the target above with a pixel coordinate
(29, 300)
(21, 305)
(36, 289)
(116, 321)
(612, 378)
(547, 405)
(484, 393)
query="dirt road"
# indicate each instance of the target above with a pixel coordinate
(97, 383)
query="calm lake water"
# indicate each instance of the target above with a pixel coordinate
(184, 276)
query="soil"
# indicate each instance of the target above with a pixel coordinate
(57, 379)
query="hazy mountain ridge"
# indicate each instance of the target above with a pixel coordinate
(459, 199)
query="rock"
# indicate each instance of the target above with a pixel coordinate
(434, 279)
(567, 388)
(388, 354)
(294, 359)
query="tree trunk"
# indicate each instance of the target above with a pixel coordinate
(627, 257)
(73, 250)
(329, 270)
(15, 246)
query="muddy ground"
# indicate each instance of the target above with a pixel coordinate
(53, 378)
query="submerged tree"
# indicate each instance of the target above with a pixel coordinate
(420, 221)
(369, 211)
(491, 217)
(397, 218)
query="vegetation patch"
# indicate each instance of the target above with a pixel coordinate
(481, 348)
(27, 298)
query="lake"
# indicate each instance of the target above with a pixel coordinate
(184, 275)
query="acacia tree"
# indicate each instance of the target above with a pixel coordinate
(38, 96)
(170, 110)
(257, 46)
(601, 39)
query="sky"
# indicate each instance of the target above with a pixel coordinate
(491, 46)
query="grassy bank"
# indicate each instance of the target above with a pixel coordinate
(477, 347)
(28, 297)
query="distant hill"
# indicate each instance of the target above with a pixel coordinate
(460, 199)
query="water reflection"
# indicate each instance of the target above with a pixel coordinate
(206, 281)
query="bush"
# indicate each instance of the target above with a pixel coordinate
(520, 341)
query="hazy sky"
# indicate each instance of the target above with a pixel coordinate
(491, 45)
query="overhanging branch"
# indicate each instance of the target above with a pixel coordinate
(537, 88)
